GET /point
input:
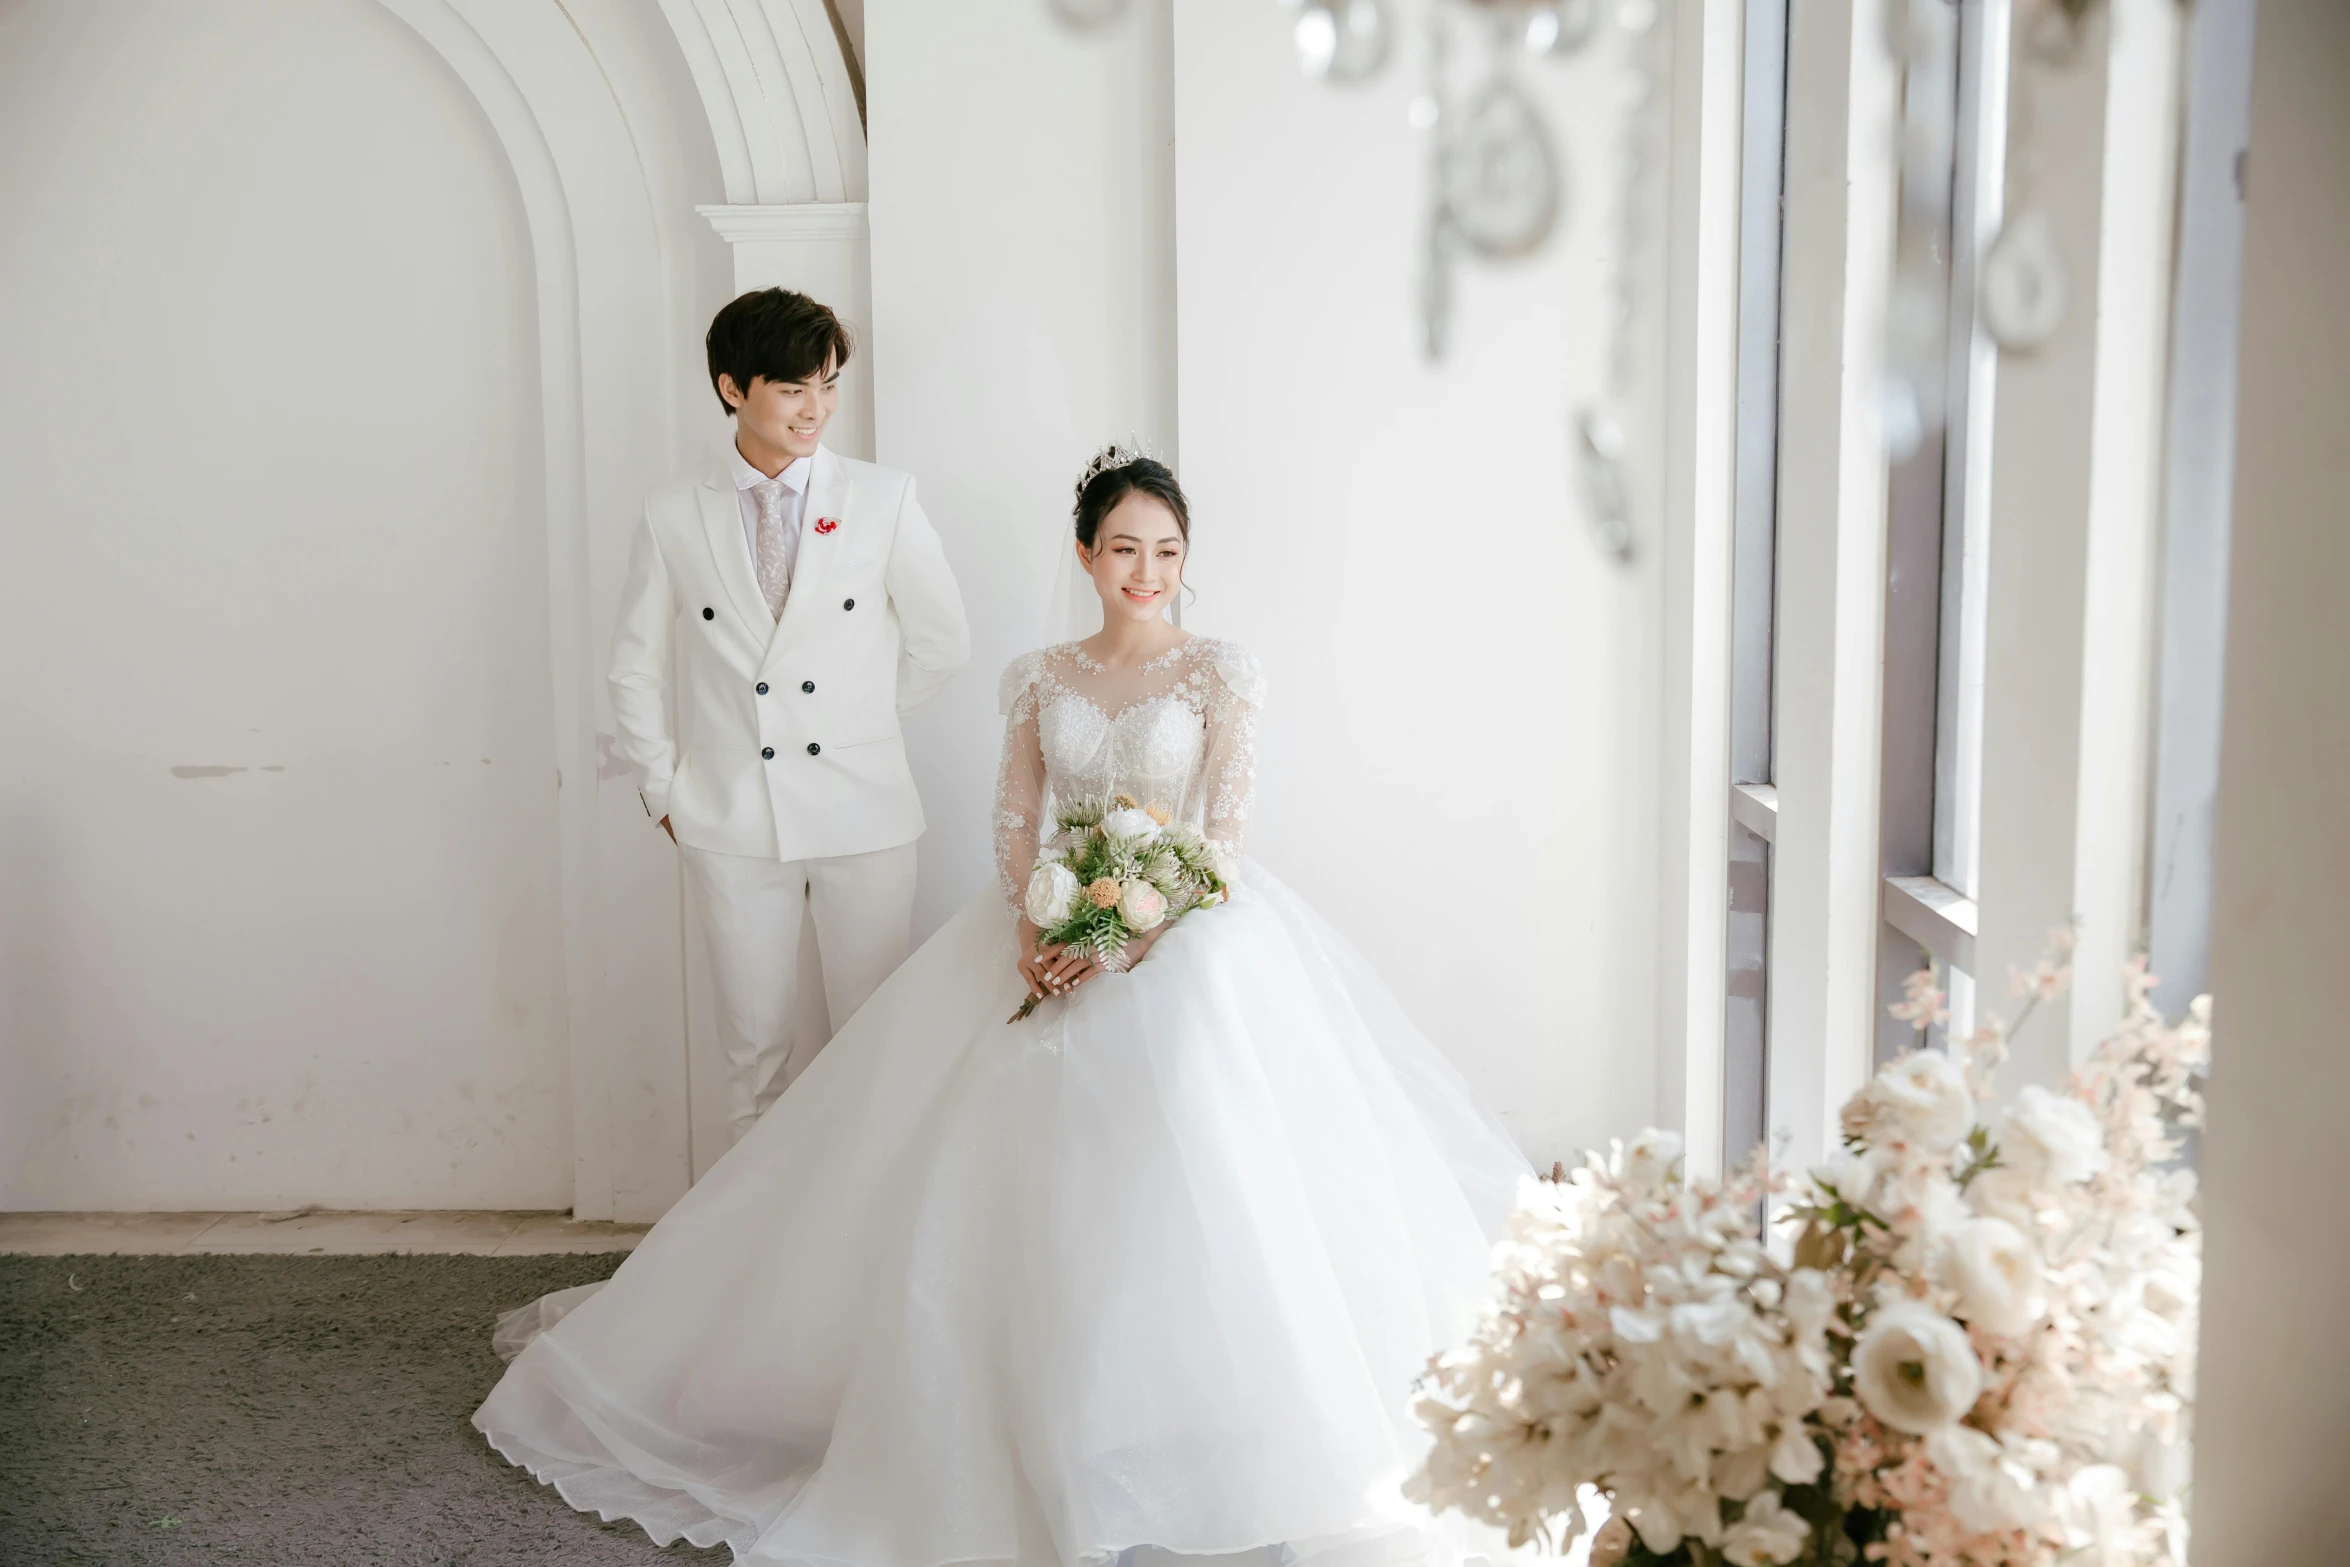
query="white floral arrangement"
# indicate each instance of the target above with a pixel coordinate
(1114, 870)
(1961, 1347)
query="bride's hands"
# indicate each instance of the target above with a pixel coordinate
(1036, 966)
(1044, 968)
(1057, 970)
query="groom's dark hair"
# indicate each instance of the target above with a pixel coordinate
(775, 333)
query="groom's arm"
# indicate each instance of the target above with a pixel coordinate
(640, 673)
(934, 638)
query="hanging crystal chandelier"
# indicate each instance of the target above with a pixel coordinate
(1497, 177)
(1497, 182)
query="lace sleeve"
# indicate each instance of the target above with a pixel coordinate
(1231, 766)
(1019, 793)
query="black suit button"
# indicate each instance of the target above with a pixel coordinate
(762, 688)
(848, 603)
(813, 748)
(768, 752)
(807, 685)
(709, 613)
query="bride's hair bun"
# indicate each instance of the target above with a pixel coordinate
(1117, 471)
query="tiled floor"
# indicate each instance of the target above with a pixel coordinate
(481, 1234)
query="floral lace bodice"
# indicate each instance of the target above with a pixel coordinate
(1178, 732)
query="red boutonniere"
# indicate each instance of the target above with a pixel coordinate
(827, 524)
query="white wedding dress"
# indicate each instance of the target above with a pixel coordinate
(1150, 1272)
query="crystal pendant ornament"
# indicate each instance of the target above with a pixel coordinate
(1435, 288)
(1910, 402)
(1083, 14)
(2024, 285)
(1498, 177)
(1601, 449)
(2053, 35)
(1342, 40)
(1561, 27)
(1901, 416)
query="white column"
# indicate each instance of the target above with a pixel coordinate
(821, 249)
(2272, 1439)
(1841, 185)
(1702, 349)
(2075, 448)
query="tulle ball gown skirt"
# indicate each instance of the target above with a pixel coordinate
(1152, 1270)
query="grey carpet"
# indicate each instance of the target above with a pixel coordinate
(278, 1410)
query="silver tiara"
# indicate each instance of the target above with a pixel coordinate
(1118, 454)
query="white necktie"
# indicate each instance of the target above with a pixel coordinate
(775, 545)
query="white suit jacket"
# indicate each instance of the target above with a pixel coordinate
(779, 739)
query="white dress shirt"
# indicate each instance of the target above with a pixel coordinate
(795, 498)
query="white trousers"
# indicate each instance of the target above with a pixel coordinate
(750, 911)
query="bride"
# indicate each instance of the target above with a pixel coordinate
(1152, 1268)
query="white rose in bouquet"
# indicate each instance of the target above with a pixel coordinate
(1855, 1174)
(1810, 1305)
(2174, 1281)
(1144, 906)
(2100, 1518)
(1768, 1535)
(1650, 1158)
(1130, 822)
(2052, 1138)
(2156, 1467)
(1052, 893)
(1995, 1485)
(1795, 1457)
(1914, 1369)
(2006, 1194)
(1922, 1098)
(1996, 1275)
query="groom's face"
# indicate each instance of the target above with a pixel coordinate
(787, 417)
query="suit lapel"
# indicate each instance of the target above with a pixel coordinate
(826, 501)
(722, 521)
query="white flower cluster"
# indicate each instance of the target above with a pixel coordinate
(1644, 1342)
(1979, 1351)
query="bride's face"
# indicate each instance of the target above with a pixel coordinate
(1137, 559)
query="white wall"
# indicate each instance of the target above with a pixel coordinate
(1456, 673)
(1449, 658)
(278, 903)
(1023, 313)
(2272, 1438)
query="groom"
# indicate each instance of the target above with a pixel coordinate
(780, 614)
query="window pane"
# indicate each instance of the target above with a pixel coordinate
(1745, 1038)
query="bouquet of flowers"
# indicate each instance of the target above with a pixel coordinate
(1114, 870)
(1976, 1349)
